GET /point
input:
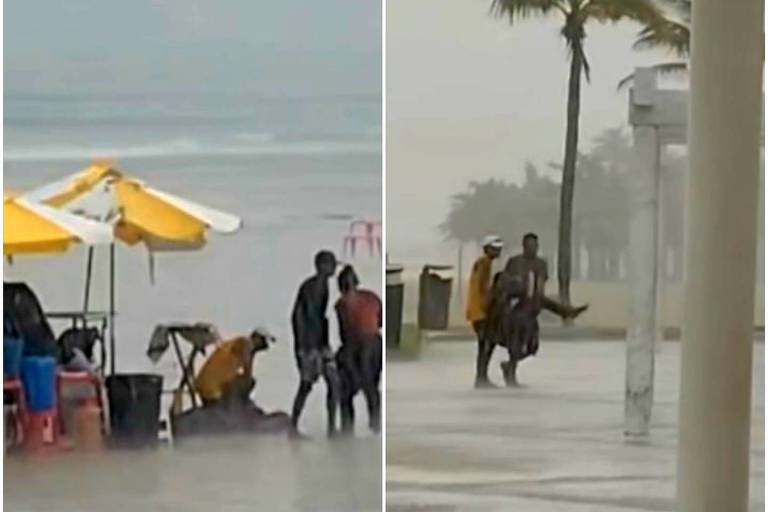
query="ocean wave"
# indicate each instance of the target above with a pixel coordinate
(257, 137)
(183, 147)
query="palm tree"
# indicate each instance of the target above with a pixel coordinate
(575, 15)
(480, 210)
(671, 34)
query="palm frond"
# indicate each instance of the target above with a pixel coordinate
(520, 9)
(645, 12)
(683, 8)
(664, 69)
(669, 34)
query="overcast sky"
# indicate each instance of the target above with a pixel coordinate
(169, 45)
(469, 97)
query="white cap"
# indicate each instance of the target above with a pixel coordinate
(494, 241)
(264, 333)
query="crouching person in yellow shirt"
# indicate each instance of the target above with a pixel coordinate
(226, 378)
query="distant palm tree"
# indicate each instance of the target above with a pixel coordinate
(481, 210)
(575, 15)
(673, 35)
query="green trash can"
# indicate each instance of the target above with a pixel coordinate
(435, 284)
(394, 304)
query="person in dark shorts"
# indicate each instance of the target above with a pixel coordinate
(314, 357)
(360, 355)
(518, 298)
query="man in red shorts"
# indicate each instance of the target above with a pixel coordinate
(360, 355)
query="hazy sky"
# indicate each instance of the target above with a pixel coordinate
(266, 46)
(469, 97)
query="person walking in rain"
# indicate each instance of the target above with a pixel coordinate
(518, 298)
(478, 299)
(314, 356)
(360, 355)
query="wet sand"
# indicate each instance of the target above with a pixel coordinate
(230, 473)
(225, 474)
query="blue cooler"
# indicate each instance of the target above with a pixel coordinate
(38, 375)
(12, 349)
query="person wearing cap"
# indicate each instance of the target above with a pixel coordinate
(226, 377)
(360, 357)
(314, 357)
(478, 298)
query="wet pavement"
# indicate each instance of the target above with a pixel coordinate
(554, 445)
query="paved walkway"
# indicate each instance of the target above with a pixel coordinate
(554, 445)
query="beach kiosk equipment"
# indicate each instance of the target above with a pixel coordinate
(33, 228)
(138, 215)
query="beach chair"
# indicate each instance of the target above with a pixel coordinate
(363, 232)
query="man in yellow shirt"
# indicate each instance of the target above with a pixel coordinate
(478, 298)
(226, 377)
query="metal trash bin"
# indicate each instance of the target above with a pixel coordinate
(435, 284)
(394, 305)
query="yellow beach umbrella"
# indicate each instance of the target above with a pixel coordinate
(138, 213)
(33, 228)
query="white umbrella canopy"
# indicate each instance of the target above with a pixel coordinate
(140, 213)
(33, 228)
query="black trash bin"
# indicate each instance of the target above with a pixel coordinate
(395, 289)
(134, 409)
(434, 297)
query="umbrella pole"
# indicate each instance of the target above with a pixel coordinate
(88, 272)
(112, 308)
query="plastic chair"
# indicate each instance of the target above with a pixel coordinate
(66, 378)
(20, 415)
(366, 232)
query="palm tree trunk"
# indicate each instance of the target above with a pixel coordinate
(577, 255)
(569, 175)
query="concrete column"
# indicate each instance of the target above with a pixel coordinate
(661, 255)
(642, 278)
(724, 144)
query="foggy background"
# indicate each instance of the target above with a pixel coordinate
(471, 99)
